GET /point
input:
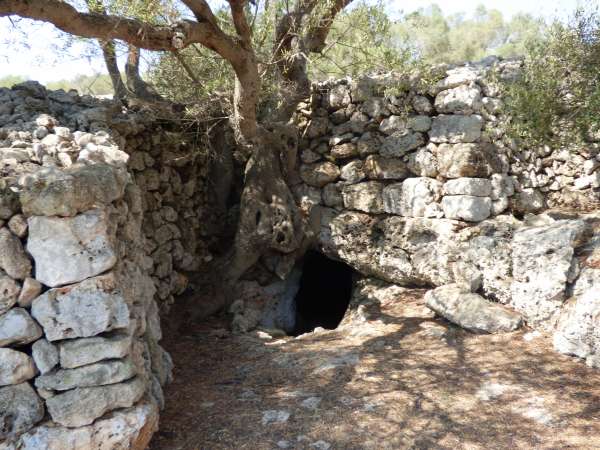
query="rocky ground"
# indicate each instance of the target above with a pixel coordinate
(392, 376)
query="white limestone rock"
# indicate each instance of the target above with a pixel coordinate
(13, 259)
(18, 328)
(458, 76)
(543, 264)
(455, 129)
(31, 289)
(419, 197)
(471, 311)
(97, 374)
(382, 168)
(45, 355)
(68, 250)
(468, 160)
(80, 352)
(578, 329)
(467, 207)
(353, 172)
(460, 100)
(86, 309)
(319, 174)
(392, 124)
(366, 197)
(423, 162)
(80, 407)
(400, 143)
(130, 428)
(15, 367)
(20, 410)
(479, 187)
(9, 292)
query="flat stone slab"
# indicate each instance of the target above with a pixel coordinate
(471, 311)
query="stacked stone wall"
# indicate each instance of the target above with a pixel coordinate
(101, 220)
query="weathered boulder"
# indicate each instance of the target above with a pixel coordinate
(13, 259)
(45, 355)
(130, 428)
(18, 328)
(455, 129)
(366, 197)
(468, 160)
(578, 329)
(15, 367)
(86, 309)
(460, 100)
(480, 187)
(419, 197)
(381, 168)
(529, 201)
(319, 174)
(68, 250)
(20, 410)
(353, 172)
(9, 292)
(467, 207)
(80, 352)
(81, 406)
(457, 77)
(471, 311)
(543, 264)
(97, 374)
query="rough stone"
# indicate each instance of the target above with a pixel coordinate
(80, 352)
(382, 168)
(130, 428)
(332, 195)
(344, 151)
(54, 192)
(419, 197)
(18, 225)
(13, 259)
(460, 100)
(31, 289)
(456, 129)
(423, 162)
(20, 410)
(467, 207)
(15, 367)
(392, 124)
(578, 329)
(529, 201)
(400, 143)
(366, 197)
(68, 250)
(9, 203)
(468, 160)
(9, 292)
(18, 328)
(479, 187)
(353, 172)
(471, 311)
(542, 267)
(319, 174)
(86, 309)
(97, 374)
(45, 355)
(80, 407)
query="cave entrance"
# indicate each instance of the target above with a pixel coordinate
(324, 293)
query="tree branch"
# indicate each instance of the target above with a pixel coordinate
(316, 37)
(240, 21)
(201, 11)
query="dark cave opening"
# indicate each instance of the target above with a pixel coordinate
(324, 293)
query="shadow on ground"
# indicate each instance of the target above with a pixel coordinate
(392, 378)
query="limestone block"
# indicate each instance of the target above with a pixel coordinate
(45, 355)
(15, 367)
(20, 410)
(400, 143)
(80, 407)
(319, 174)
(366, 197)
(353, 172)
(471, 311)
(467, 207)
(382, 168)
(80, 352)
(68, 250)
(9, 292)
(456, 129)
(460, 100)
(468, 160)
(419, 198)
(54, 192)
(13, 259)
(18, 328)
(423, 162)
(86, 309)
(479, 187)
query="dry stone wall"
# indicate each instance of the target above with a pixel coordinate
(100, 221)
(425, 188)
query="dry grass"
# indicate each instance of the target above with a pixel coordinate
(402, 380)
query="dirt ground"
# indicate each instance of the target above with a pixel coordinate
(392, 377)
